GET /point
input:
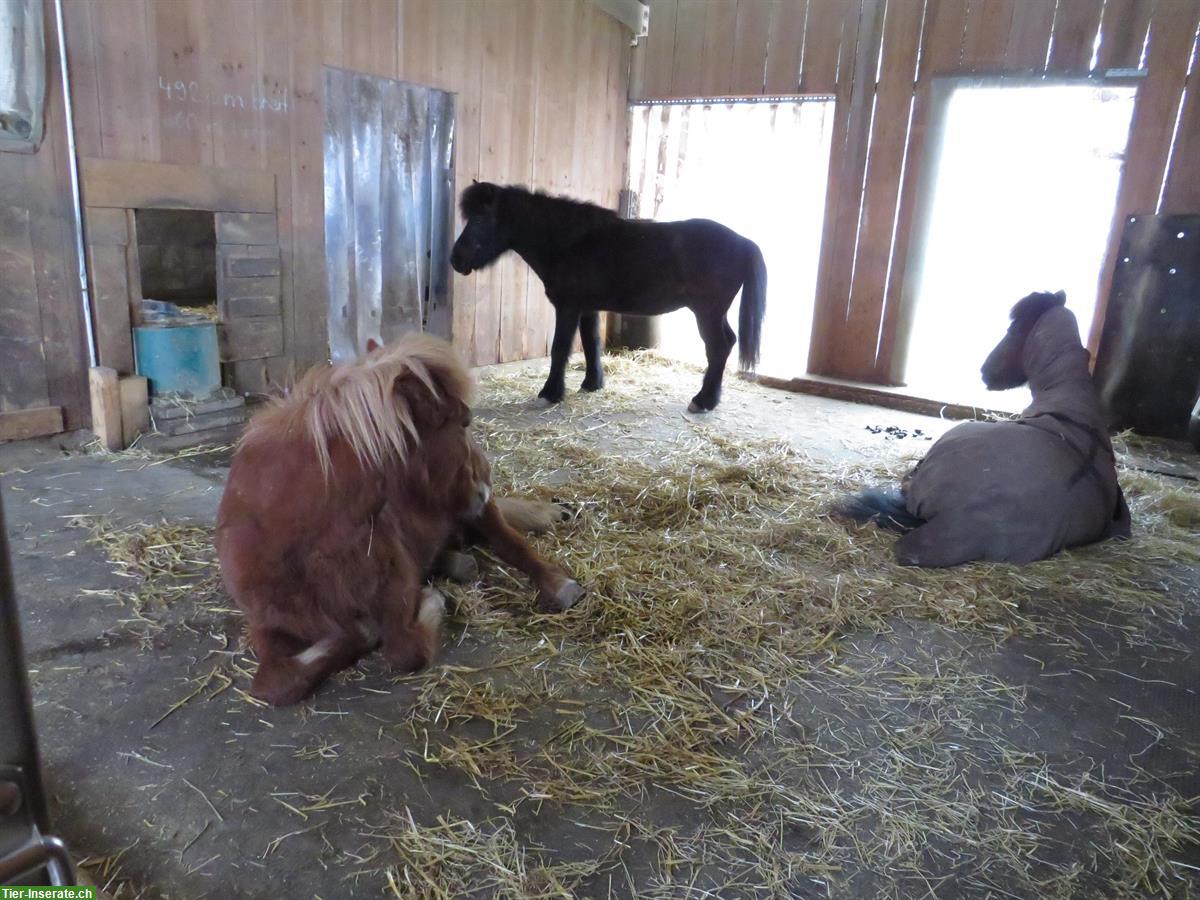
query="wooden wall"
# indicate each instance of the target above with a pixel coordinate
(877, 57)
(237, 84)
(43, 357)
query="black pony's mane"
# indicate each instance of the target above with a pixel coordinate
(1029, 309)
(560, 216)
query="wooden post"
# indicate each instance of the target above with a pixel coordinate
(106, 406)
(135, 408)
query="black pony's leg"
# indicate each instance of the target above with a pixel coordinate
(718, 342)
(589, 333)
(566, 320)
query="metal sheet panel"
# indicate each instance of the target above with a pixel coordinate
(389, 186)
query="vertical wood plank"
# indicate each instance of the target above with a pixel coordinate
(497, 105)
(786, 43)
(133, 268)
(1171, 39)
(184, 115)
(125, 81)
(369, 36)
(828, 46)
(720, 25)
(416, 41)
(516, 109)
(1075, 26)
(458, 45)
(1182, 193)
(312, 28)
(658, 51)
(81, 63)
(55, 260)
(752, 31)
(843, 198)
(687, 64)
(273, 42)
(889, 141)
(230, 35)
(1029, 36)
(105, 388)
(986, 32)
(22, 364)
(110, 301)
(1123, 27)
(942, 47)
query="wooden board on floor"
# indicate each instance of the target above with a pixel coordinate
(20, 424)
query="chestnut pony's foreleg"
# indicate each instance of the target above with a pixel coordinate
(411, 623)
(556, 589)
(288, 672)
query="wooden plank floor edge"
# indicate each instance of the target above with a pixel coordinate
(860, 393)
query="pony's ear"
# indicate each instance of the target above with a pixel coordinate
(372, 345)
(1029, 309)
(481, 197)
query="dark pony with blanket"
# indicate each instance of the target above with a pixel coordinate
(590, 261)
(1020, 490)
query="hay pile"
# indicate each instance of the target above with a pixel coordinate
(717, 588)
(703, 709)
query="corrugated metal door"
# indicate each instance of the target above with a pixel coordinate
(389, 190)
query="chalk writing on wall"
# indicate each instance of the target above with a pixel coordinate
(192, 92)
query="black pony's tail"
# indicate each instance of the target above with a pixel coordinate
(883, 506)
(754, 307)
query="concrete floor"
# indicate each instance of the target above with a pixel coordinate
(186, 801)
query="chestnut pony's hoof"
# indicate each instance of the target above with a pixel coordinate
(567, 595)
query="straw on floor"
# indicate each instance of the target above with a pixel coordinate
(722, 601)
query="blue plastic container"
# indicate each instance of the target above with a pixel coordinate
(179, 359)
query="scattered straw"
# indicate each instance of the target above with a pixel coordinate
(709, 675)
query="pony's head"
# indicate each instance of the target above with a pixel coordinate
(1005, 366)
(381, 405)
(482, 239)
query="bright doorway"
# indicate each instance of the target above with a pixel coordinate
(1019, 195)
(760, 167)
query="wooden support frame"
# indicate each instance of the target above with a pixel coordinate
(249, 257)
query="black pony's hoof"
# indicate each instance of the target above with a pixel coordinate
(700, 406)
(591, 386)
(549, 396)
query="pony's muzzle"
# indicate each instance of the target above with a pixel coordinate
(479, 500)
(458, 264)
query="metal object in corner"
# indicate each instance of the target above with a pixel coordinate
(89, 322)
(26, 849)
(633, 14)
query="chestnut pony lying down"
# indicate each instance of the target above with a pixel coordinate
(343, 497)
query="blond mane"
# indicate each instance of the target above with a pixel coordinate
(367, 403)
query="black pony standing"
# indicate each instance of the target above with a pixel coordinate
(590, 261)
